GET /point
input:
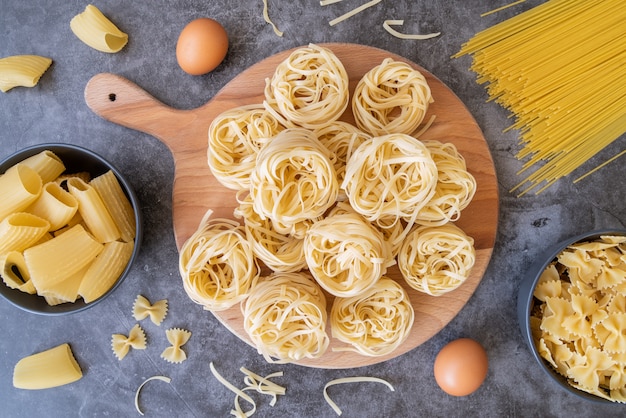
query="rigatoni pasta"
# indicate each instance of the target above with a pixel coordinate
(54, 204)
(105, 270)
(47, 369)
(96, 30)
(22, 70)
(93, 210)
(47, 164)
(19, 187)
(116, 203)
(21, 230)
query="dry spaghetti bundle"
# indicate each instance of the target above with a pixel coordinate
(392, 97)
(294, 180)
(285, 317)
(375, 322)
(308, 89)
(235, 138)
(559, 69)
(217, 264)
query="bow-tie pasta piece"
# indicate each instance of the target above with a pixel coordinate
(121, 344)
(177, 337)
(142, 309)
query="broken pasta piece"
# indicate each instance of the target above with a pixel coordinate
(97, 31)
(387, 24)
(142, 309)
(22, 70)
(177, 337)
(121, 343)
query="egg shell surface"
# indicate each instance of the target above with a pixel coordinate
(461, 367)
(202, 46)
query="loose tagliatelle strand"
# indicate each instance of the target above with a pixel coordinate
(357, 379)
(353, 12)
(266, 16)
(161, 378)
(388, 23)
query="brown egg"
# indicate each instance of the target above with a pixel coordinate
(201, 46)
(461, 367)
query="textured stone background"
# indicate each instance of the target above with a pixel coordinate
(55, 111)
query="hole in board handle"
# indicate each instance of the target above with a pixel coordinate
(112, 97)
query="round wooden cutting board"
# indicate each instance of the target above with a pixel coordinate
(196, 190)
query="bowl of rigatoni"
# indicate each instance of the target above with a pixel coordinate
(70, 228)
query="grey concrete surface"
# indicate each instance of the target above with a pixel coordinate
(55, 111)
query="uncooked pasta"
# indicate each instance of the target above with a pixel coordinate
(235, 138)
(294, 180)
(308, 89)
(455, 186)
(217, 264)
(392, 97)
(279, 252)
(342, 139)
(346, 254)
(391, 177)
(436, 259)
(559, 69)
(285, 317)
(375, 322)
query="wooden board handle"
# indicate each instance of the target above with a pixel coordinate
(121, 101)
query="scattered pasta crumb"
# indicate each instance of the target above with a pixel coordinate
(506, 6)
(353, 12)
(356, 379)
(161, 378)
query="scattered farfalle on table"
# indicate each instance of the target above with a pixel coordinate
(177, 337)
(121, 344)
(579, 315)
(142, 309)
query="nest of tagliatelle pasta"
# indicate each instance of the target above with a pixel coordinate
(327, 207)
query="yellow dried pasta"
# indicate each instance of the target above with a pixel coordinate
(22, 71)
(346, 255)
(308, 89)
(217, 264)
(143, 309)
(579, 315)
(436, 259)
(285, 318)
(392, 97)
(97, 31)
(121, 344)
(177, 338)
(376, 321)
(47, 369)
(294, 180)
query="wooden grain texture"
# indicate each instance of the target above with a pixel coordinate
(195, 189)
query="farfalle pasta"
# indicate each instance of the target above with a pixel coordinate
(121, 344)
(142, 308)
(436, 259)
(177, 337)
(308, 89)
(285, 317)
(217, 264)
(392, 97)
(375, 322)
(579, 315)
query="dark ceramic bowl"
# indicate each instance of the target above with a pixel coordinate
(75, 159)
(525, 303)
